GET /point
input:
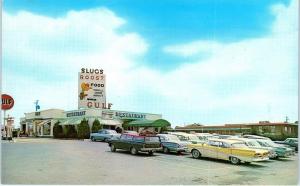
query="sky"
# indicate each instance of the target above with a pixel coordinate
(209, 61)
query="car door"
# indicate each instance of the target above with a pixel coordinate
(128, 143)
(119, 144)
(212, 149)
(223, 151)
(99, 135)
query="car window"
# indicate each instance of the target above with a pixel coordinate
(129, 138)
(123, 137)
(162, 138)
(112, 132)
(152, 139)
(239, 145)
(100, 131)
(139, 138)
(224, 145)
(214, 143)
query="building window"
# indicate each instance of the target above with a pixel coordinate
(285, 129)
(290, 131)
(260, 129)
(273, 129)
(37, 113)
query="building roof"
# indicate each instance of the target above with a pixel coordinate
(148, 123)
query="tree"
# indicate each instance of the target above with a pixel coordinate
(163, 129)
(83, 130)
(96, 126)
(57, 130)
(70, 131)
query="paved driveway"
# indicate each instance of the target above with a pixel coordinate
(50, 161)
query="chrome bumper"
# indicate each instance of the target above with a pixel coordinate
(260, 159)
(151, 149)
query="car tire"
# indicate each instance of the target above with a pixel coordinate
(113, 148)
(166, 150)
(93, 139)
(106, 140)
(196, 154)
(150, 153)
(133, 151)
(234, 160)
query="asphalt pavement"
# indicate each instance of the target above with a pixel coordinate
(50, 161)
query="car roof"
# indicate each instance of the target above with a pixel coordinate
(230, 141)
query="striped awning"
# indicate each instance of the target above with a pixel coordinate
(70, 121)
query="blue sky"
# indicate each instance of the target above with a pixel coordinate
(206, 51)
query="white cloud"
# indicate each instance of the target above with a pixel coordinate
(235, 83)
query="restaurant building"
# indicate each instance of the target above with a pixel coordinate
(41, 123)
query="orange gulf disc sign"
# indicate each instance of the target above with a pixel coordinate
(7, 102)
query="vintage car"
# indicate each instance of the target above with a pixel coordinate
(135, 143)
(253, 144)
(280, 150)
(203, 136)
(191, 138)
(233, 150)
(171, 143)
(255, 137)
(289, 142)
(103, 135)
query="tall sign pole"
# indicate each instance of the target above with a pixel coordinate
(7, 103)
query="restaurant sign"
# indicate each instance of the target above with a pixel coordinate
(91, 88)
(129, 115)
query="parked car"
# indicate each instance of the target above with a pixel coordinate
(280, 150)
(231, 150)
(253, 144)
(255, 137)
(191, 138)
(171, 143)
(135, 143)
(103, 135)
(203, 136)
(291, 142)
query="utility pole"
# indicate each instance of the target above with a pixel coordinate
(286, 119)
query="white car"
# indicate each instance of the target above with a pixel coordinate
(192, 138)
(253, 144)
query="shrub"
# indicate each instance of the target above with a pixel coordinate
(96, 126)
(70, 131)
(83, 130)
(57, 130)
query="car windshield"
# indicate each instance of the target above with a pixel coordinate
(173, 138)
(271, 143)
(152, 139)
(182, 138)
(253, 144)
(195, 138)
(238, 145)
(265, 144)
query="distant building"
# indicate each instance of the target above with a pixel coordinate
(277, 130)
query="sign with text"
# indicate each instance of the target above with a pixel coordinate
(7, 102)
(91, 88)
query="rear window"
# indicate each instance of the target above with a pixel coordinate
(152, 139)
(139, 138)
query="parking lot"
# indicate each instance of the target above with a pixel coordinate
(51, 161)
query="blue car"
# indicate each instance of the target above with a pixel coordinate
(171, 143)
(104, 135)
